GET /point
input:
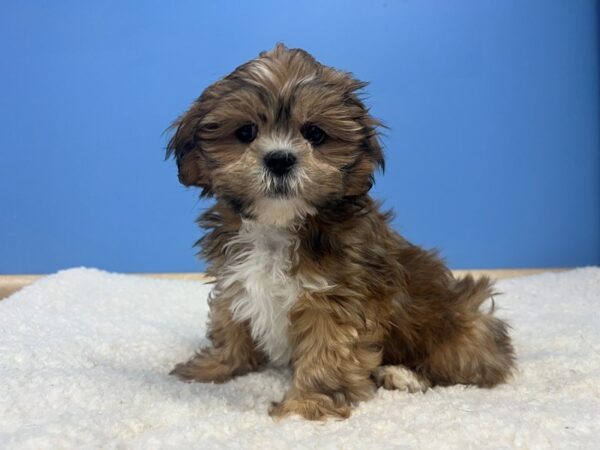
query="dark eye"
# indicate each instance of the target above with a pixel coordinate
(246, 133)
(313, 134)
(210, 126)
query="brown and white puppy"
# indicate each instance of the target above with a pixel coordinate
(308, 271)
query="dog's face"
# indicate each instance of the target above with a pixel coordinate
(280, 137)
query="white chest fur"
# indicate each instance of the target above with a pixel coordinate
(264, 290)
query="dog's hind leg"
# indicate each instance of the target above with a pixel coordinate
(401, 378)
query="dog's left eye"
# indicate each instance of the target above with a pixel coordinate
(246, 133)
(313, 134)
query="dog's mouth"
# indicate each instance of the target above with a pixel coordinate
(283, 186)
(279, 188)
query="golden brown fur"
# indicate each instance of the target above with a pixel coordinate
(367, 300)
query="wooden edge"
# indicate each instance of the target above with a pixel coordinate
(9, 284)
(499, 274)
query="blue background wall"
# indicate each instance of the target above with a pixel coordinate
(493, 107)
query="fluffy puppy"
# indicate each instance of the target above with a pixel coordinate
(308, 271)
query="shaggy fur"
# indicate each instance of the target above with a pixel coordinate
(308, 271)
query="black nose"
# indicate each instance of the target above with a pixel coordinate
(279, 162)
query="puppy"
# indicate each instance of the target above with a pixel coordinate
(308, 271)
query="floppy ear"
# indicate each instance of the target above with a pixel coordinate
(193, 162)
(360, 175)
(372, 144)
(185, 146)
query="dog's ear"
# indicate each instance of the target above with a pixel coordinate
(186, 145)
(371, 144)
(361, 174)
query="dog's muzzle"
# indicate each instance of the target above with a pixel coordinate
(279, 162)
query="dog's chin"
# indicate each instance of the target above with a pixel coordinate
(279, 192)
(281, 210)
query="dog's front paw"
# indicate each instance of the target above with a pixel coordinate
(204, 367)
(310, 407)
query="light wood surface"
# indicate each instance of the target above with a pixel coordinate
(10, 284)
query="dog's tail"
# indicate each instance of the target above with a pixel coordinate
(482, 353)
(471, 293)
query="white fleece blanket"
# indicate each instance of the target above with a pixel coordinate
(85, 357)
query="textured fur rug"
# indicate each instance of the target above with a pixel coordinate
(84, 358)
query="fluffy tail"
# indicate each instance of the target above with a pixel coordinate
(480, 351)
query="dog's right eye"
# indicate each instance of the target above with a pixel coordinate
(313, 133)
(246, 133)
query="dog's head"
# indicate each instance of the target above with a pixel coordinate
(279, 137)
